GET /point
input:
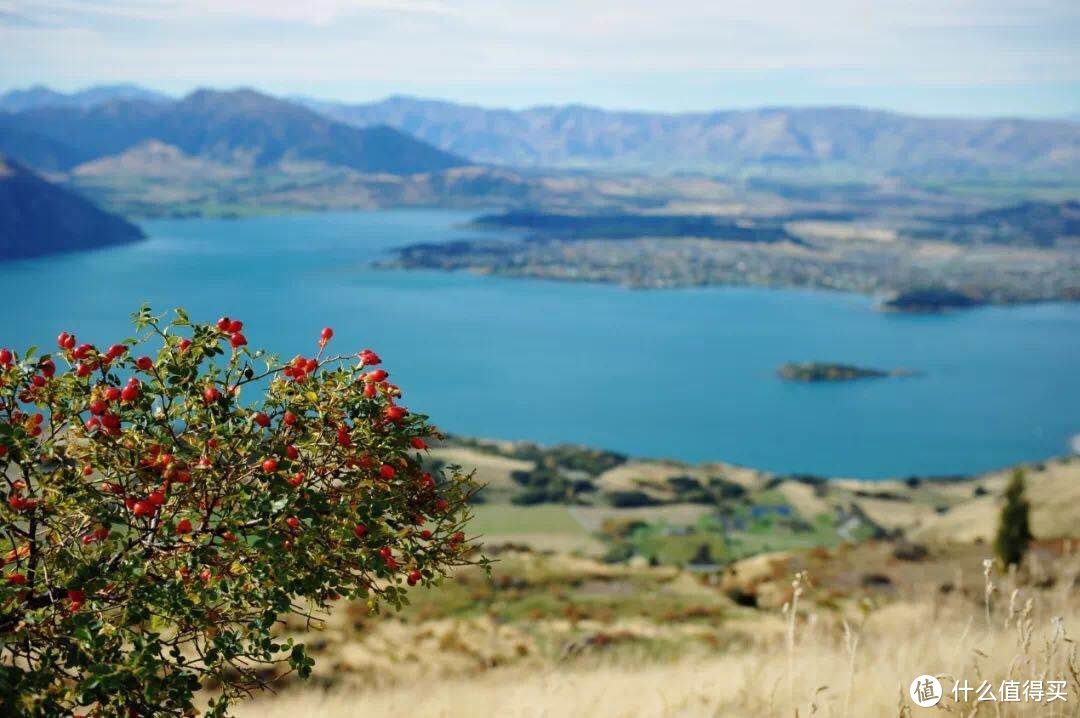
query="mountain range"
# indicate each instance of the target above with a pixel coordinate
(38, 217)
(400, 135)
(840, 138)
(241, 127)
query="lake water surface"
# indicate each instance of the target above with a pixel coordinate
(686, 374)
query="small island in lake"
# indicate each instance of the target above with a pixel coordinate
(824, 371)
(929, 300)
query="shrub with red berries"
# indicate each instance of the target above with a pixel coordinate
(158, 526)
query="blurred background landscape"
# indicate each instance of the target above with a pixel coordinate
(745, 316)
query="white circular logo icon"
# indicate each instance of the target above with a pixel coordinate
(925, 691)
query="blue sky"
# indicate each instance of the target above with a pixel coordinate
(954, 57)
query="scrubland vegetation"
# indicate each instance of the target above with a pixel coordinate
(831, 626)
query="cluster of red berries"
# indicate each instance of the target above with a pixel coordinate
(17, 501)
(232, 328)
(104, 410)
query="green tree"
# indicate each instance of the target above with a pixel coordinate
(160, 528)
(1014, 526)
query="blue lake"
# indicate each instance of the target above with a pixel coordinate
(686, 374)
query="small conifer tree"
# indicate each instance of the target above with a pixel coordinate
(1014, 527)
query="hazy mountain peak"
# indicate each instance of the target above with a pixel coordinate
(240, 127)
(41, 96)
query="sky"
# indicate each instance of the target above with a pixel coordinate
(938, 57)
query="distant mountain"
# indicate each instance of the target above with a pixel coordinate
(40, 152)
(240, 127)
(38, 217)
(790, 138)
(42, 96)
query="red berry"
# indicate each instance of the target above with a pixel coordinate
(97, 408)
(77, 597)
(369, 391)
(143, 508)
(82, 350)
(82, 370)
(116, 351)
(369, 358)
(293, 522)
(297, 479)
(16, 578)
(237, 340)
(292, 452)
(425, 534)
(223, 324)
(387, 471)
(377, 376)
(211, 394)
(269, 465)
(235, 325)
(414, 577)
(386, 552)
(343, 437)
(184, 344)
(184, 527)
(262, 420)
(112, 393)
(396, 413)
(5, 356)
(327, 334)
(144, 363)
(418, 443)
(228, 536)
(289, 418)
(157, 498)
(360, 530)
(205, 574)
(441, 505)
(130, 392)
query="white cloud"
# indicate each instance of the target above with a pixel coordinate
(292, 45)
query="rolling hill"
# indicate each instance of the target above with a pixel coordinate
(38, 218)
(239, 127)
(837, 138)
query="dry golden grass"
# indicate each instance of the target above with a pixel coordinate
(1054, 493)
(855, 660)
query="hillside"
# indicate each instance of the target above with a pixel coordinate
(840, 138)
(38, 217)
(239, 127)
(607, 504)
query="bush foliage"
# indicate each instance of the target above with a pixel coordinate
(158, 529)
